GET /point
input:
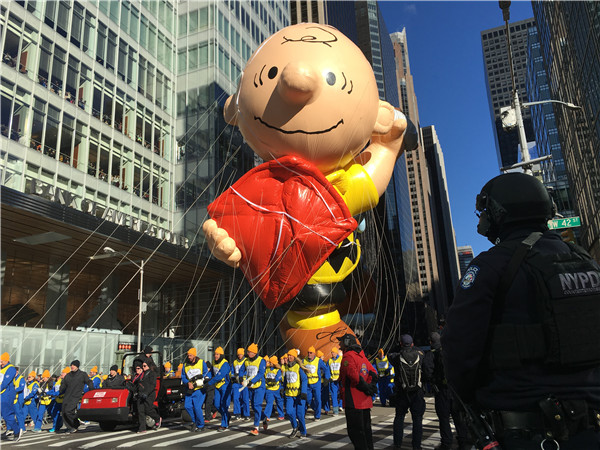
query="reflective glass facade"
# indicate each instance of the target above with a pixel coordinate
(569, 35)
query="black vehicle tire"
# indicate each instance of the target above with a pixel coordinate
(185, 416)
(107, 426)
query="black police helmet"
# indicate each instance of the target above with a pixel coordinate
(348, 340)
(512, 199)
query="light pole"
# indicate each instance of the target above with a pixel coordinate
(512, 116)
(110, 253)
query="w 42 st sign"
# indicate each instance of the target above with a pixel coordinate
(566, 222)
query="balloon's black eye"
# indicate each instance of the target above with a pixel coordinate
(272, 72)
(330, 78)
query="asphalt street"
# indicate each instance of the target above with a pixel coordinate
(328, 433)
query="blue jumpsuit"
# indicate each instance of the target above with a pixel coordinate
(20, 401)
(273, 395)
(334, 383)
(255, 374)
(296, 384)
(241, 400)
(31, 402)
(7, 398)
(317, 368)
(220, 379)
(194, 399)
(56, 407)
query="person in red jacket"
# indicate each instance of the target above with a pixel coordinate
(358, 382)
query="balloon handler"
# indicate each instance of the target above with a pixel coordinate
(308, 105)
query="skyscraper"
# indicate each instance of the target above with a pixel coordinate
(465, 256)
(444, 236)
(499, 84)
(418, 176)
(570, 48)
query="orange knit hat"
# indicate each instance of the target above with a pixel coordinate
(293, 352)
(192, 351)
(66, 370)
(241, 351)
(32, 374)
(5, 357)
(253, 348)
(311, 349)
(273, 360)
(46, 374)
(219, 350)
(94, 369)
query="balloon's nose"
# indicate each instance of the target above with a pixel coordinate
(298, 83)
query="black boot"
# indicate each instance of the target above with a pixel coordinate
(293, 433)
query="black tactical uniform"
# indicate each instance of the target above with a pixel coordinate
(408, 391)
(535, 373)
(445, 405)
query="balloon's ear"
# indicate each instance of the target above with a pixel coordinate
(385, 118)
(230, 111)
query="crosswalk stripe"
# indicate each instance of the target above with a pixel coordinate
(194, 436)
(152, 439)
(229, 437)
(346, 440)
(112, 439)
(25, 442)
(62, 443)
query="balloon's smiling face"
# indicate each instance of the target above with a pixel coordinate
(307, 91)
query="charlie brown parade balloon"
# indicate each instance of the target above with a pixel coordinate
(308, 105)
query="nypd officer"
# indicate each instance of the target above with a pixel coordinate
(521, 341)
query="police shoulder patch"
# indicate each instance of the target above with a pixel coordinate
(469, 277)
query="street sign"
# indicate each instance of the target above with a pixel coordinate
(566, 222)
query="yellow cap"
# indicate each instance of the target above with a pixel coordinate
(311, 349)
(94, 369)
(32, 374)
(66, 370)
(293, 352)
(253, 348)
(4, 357)
(381, 351)
(319, 354)
(219, 350)
(168, 364)
(46, 374)
(192, 351)
(334, 350)
(273, 360)
(241, 351)
(266, 357)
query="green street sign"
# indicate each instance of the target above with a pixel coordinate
(567, 222)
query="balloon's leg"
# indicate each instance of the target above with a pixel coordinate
(321, 329)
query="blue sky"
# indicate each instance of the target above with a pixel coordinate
(446, 61)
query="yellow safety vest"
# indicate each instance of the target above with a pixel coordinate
(252, 368)
(270, 375)
(45, 399)
(382, 365)
(193, 370)
(216, 368)
(237, 364)
(292, 380)
(313, 369)
(334, 367)
(2, 372)
(60, 398)
(16, 382)
(99, 377)
(28, 388)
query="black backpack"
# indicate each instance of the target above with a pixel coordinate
(409, 366)
(564, 333)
